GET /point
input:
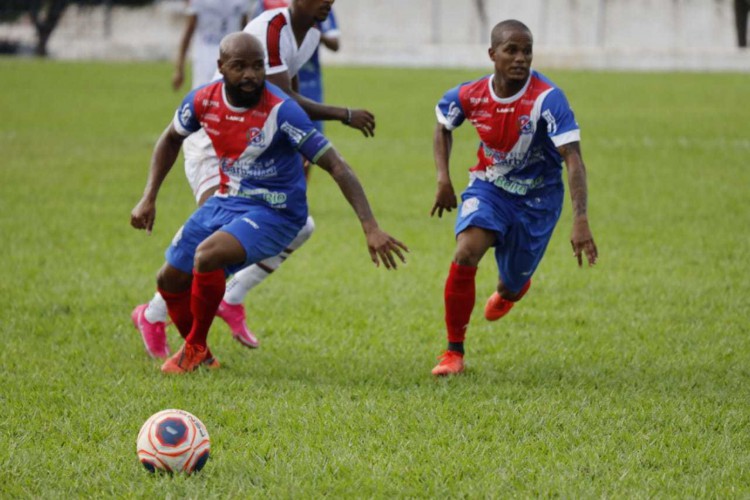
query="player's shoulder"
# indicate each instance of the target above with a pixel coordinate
(542, 80)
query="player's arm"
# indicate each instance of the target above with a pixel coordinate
(187, 35)
(442, 144)
(581, 238)
(165, 154)
(330, 42)
(381, 245)
(360, 119)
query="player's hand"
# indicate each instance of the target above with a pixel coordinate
(177, 79)
(143, 215)
(363, 121)
(383, 246)
(583, 242)
(445, 199)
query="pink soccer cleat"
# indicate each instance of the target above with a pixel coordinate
(234, 316)
(154, 335)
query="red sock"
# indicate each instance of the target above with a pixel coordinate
(459, 300)
(178, 307)
(208, 290)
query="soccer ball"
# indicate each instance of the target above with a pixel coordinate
(173, 441)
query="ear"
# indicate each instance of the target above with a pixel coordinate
(491, 52)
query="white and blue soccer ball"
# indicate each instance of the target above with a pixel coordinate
(173, 441)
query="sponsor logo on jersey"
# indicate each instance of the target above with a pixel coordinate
(551, 122)
(295, 134)
(185, 114)
(453, 112)
(506, 110)
(478, 100)
(212, 117)
(235, 118)
(207, 103)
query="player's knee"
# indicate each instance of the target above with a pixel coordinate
(172, 280)
(206, 259)
(465, 256)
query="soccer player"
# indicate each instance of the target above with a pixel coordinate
(207, 23)
(310, 75)
(258, 133)
(515, 192)
(279, 31)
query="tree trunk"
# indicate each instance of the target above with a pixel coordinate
(45, 14)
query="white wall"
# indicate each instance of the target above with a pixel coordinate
(599, 34)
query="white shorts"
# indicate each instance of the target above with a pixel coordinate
(201, 163)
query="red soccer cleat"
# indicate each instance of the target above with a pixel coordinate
(187, 359)
(451, 363)
(497, 307)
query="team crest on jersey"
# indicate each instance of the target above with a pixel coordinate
(255, 136)
(525, 125)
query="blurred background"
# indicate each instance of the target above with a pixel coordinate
(669, 35)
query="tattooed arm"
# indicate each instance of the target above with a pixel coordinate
(581, 239)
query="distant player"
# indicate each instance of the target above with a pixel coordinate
(279, 31)
(258, 134)
(515, 193)
(207, 23)
(310, 74)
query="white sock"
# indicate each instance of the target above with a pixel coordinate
(250, 277)
(156, 312)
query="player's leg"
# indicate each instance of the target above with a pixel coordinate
(202, 172)
(231, 309)
(518, 257)
(460, 295)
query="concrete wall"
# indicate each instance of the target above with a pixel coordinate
(597, 34)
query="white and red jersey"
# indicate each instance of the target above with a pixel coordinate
(257, 149)
(274, 29)
(519, 135)
(214, 20)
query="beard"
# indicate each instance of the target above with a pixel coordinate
(241, 98)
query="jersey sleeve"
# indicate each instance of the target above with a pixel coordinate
(300, 131)
(449, 111)
(562, 127)
(185, 118)
(277, 50)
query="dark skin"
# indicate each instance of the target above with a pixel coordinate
(511, 53)
(241, 64)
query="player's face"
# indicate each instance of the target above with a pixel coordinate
(319, 9)
(512, 56)
(244, 77)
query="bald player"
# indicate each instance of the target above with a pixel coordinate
(258, 133)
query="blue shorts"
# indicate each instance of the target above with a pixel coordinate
(262, 231)
(523, 226)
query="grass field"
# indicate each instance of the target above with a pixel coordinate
(630, 379)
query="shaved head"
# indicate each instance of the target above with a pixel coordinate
(502, 30)
(238, 44)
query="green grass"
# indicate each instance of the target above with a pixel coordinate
(626, 380)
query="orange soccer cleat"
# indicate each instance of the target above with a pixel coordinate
(210, 362)
(187, 359)
(451, 363)
(497, 307)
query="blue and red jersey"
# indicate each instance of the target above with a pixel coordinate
(519, 135)
(258, 148)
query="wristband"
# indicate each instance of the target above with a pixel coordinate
(348, 119)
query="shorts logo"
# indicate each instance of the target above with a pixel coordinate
(469, 206)
(251, 222)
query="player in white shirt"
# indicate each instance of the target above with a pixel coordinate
(278, 30)
(208, 22)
